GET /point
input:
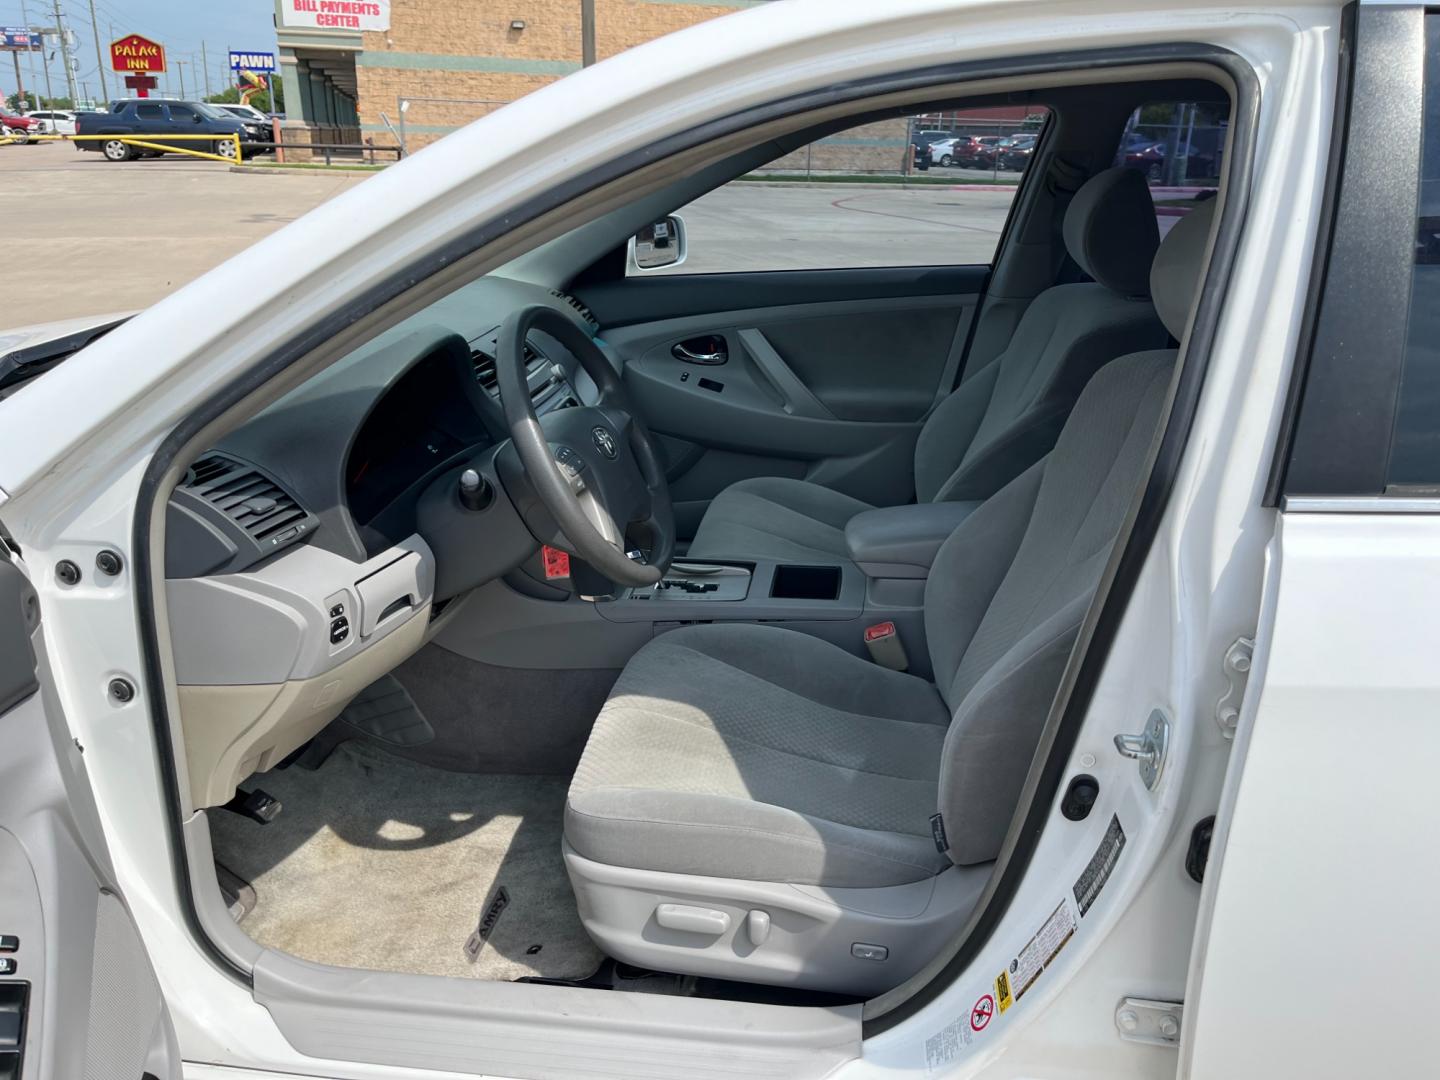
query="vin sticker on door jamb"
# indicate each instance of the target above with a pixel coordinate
(1101, 866)
(1059, 928)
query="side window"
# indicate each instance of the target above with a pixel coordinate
(149, 112)
(1415, 447)
(1180, 147)
(182, 114)
(927, 190)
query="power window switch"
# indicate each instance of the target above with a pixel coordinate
(8, 966)
(9, 943)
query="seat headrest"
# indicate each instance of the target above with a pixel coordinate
(1110, 230)
(1176, 273)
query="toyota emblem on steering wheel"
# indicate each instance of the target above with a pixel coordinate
(604, 441)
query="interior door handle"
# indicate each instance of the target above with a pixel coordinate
(706, 350)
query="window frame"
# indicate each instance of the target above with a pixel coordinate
(1338, 427)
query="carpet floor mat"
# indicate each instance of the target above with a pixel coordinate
(377, 862)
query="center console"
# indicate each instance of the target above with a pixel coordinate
(883, 581)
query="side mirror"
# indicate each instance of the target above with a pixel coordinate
(659, 244)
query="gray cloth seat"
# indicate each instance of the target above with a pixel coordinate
(755, 803)
(1002, 418)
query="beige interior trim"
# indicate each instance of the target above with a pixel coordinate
(234, 731)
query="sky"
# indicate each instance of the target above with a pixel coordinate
(222, 25)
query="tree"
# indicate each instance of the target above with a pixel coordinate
(32, 101)
(231, 96)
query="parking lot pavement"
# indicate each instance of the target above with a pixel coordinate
(84, 236)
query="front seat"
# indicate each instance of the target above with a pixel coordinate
(755, 803)
(1004, 417)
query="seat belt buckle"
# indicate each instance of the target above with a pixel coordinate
(886, 649)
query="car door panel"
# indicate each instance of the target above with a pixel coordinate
(82, 998)
(826, 376)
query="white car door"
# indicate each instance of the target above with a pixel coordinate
(78, 995)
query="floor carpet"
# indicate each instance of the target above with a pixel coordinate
(378, 862)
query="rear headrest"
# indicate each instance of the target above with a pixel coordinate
(1110, 230)
(1176, 273)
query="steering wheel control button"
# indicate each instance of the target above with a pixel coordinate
(605, 441)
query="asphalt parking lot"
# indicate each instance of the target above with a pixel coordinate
(86, 236)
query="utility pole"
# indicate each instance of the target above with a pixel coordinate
(587, 32)
(180, 66)
(99, 55)
(64, 52)
(30, 55)
(204, 64)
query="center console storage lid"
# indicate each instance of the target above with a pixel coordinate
(902, 541)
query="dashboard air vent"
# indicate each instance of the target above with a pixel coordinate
(577, 305)
(249, 498)
(484, 366)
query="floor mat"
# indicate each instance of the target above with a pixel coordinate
(378, 862)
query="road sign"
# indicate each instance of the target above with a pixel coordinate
(134, 53)
(18, 37)
(251, 61)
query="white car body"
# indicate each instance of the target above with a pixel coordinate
(55, 121)
(244, 112)
(1322, 869)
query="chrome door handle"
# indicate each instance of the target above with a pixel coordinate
(682, 351)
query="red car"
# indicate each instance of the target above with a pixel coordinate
(22, 127)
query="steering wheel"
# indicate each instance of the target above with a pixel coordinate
(595, 468)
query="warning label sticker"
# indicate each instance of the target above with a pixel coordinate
(1002, 991)
(1101, 865)
(945, 1045)
(1059, 928)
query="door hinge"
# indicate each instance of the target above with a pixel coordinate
(1148, 748)
(1145, 1021)
(1237, 673)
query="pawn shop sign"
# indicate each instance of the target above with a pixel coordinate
(133, 53)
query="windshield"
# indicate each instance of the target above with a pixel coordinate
(211, 111)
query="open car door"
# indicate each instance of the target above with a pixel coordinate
(78, 996)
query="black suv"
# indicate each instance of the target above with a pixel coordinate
(156, 118)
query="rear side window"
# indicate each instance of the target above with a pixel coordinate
(927, 190)
(1180, 147)
(1415, 447)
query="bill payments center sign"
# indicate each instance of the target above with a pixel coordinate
(337, 14)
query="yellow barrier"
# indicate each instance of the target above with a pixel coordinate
(146, 142)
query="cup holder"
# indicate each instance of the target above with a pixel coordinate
(805, 582)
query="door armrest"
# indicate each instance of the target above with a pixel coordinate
(902, 541)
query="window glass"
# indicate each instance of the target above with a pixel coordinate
(1415, 449)
(181, 112)
(1179, 146)
(928, 190)
(149, 112)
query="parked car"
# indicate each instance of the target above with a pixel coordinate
(1148, 154)
(157, 118)
(968, 151)
(54, 121)
(1013, 152)
(242, 112)
(360, 720)
(19, 127)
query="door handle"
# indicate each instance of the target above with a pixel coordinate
(705, 350)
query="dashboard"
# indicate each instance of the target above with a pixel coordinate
(308, 551)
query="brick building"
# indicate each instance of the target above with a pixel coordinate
(346, 62)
